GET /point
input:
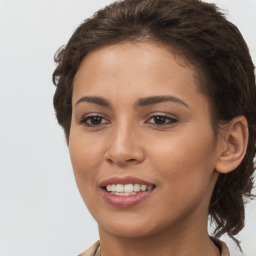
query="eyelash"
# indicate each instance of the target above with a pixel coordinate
(163, 119)
(84, 120)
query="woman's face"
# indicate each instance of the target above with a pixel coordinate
(139, 122)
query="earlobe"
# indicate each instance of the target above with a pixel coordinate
(233, 145)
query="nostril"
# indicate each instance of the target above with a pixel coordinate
(110, 161)
(126, 161)
(121, 157)
(131, 160)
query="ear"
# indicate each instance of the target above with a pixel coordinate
(233, 144)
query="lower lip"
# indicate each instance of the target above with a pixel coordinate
(125, 201)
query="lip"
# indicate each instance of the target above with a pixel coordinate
(124, 180)
(125, 201)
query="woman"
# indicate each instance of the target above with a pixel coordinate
(157, 101)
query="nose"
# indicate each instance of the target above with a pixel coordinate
(124, 146)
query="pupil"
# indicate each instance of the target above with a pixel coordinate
(96, 120)
(159, 119)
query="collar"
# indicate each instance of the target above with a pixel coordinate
(94, 250)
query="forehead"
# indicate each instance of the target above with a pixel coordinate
(125, 73)
(134, 64)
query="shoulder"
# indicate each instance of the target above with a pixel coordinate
(224, 249)
(92, 250)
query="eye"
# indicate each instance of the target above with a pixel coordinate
(93, 120)
(162, 120)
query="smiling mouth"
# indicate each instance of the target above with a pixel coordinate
(127, 189)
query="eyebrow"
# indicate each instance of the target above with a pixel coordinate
(140, 103)
(96, 100)
(158, 99)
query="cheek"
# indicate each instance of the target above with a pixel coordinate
(185, 172)
(85, 150)
(86, 159)
(186, 160)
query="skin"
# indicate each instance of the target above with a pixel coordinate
(179, 156)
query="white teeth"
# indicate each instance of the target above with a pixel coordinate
(119, 188)
(143, 187)
(113, 187)
(136, 187)
(127, 189)
(123, 194)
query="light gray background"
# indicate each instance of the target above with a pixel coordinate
(41, 212)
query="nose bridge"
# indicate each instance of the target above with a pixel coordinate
(121, 133)
(125, 143)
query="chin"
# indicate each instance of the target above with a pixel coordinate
(135, 228)
(129, 232)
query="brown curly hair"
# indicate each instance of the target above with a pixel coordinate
(201, 34)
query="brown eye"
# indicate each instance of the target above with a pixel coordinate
(93, 120)
(162, 120)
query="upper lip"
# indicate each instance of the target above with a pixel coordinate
(124, 180)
